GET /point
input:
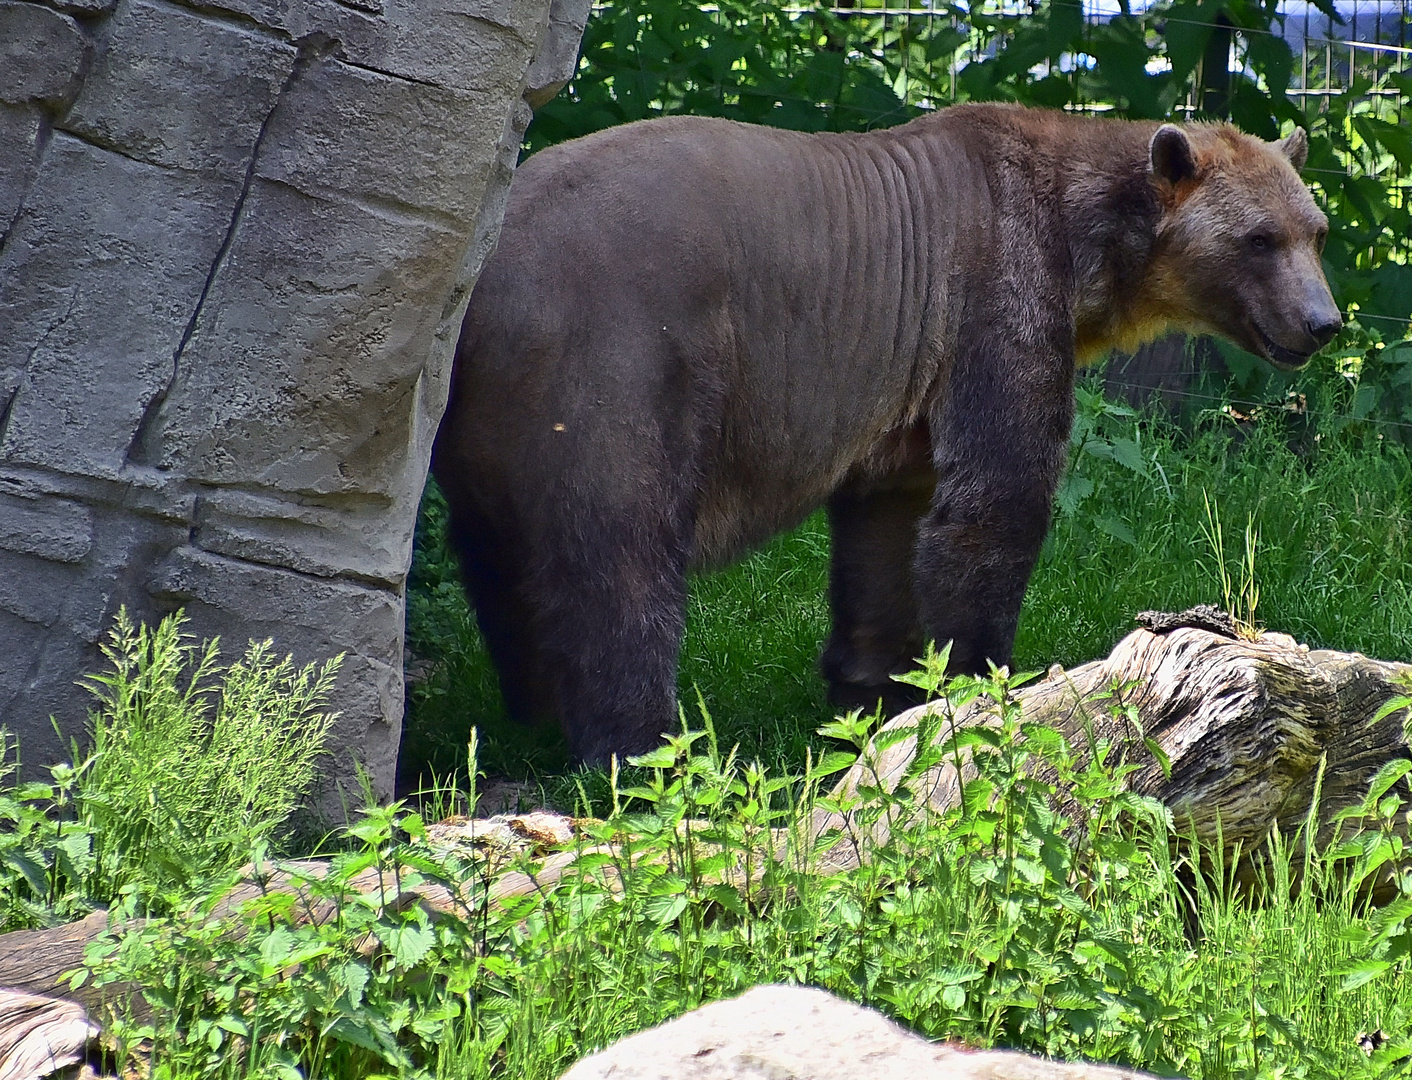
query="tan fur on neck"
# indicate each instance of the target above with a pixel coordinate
(1159, 304)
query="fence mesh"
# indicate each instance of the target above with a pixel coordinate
(925, 48)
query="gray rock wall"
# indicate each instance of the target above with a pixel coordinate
(236, 241)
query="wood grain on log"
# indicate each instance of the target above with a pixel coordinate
(35, 961)
(40, 1035)
(1244, 724)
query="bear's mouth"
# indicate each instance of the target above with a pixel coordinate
(1277, 354)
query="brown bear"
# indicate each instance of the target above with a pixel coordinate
(694, 332)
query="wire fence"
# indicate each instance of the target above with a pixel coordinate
(924, 49)
(1349, 69)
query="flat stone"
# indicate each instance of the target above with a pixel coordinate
(779, 1032)
(84, 9)
(21, 134)
(471, 45)
(176, 89)
(98, 279)
(302, 374)
(41, 54)
(557, 58)
(348, 537)
(345, 129)
(50, 528)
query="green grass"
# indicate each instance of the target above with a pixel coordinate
(1335, 528)
(1001, 925)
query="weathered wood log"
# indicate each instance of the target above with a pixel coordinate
(1245, 725)
(40, 1035)
(36, 961)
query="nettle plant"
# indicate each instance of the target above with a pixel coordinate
(1042, 887)
(1044, 910)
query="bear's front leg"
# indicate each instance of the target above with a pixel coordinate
(1000, 445)
(876, 629)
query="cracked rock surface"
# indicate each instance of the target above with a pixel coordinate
(800, 1033)
(236, 242)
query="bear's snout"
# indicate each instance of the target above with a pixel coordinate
(1323, 324)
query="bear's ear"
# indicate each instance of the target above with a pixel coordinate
(1295, 147)
(1170, 156)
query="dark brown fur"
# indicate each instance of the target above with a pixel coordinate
(694, 332)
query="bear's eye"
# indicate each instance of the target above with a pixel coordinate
(1320, 239)
(1259, 242)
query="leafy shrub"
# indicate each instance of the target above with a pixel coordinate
(1044, 911)
(189, 764)
(260, 986)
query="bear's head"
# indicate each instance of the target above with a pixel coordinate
(1238, 245)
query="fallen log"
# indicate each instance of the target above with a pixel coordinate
(35, 961)
(41, 1035)
(1249, 728)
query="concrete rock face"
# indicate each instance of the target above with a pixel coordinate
(236, 242)
(799, 1033)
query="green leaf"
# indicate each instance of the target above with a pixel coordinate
(354, 1032)
(1390, 773)
(1118, 530)
(729, 898)
(1365, 971)
(834, 761)
(1128, 453)
(1073, 491)
(408, 943)
(664, 757)
(1389, 707)
(31, 871)
(664, 910)
(353, 977)
(276, 948)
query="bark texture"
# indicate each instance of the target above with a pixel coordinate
(1245, 725)
(40, 1035)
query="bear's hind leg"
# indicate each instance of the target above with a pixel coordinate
(611, 607)
(495, 586)
(876, 630)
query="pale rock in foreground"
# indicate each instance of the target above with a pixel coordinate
(800, 1033)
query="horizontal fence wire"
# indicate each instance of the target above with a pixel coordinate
(1325, 66)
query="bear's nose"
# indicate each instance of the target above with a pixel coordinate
(1324, 326)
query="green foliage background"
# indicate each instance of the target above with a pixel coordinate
(815, 69)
